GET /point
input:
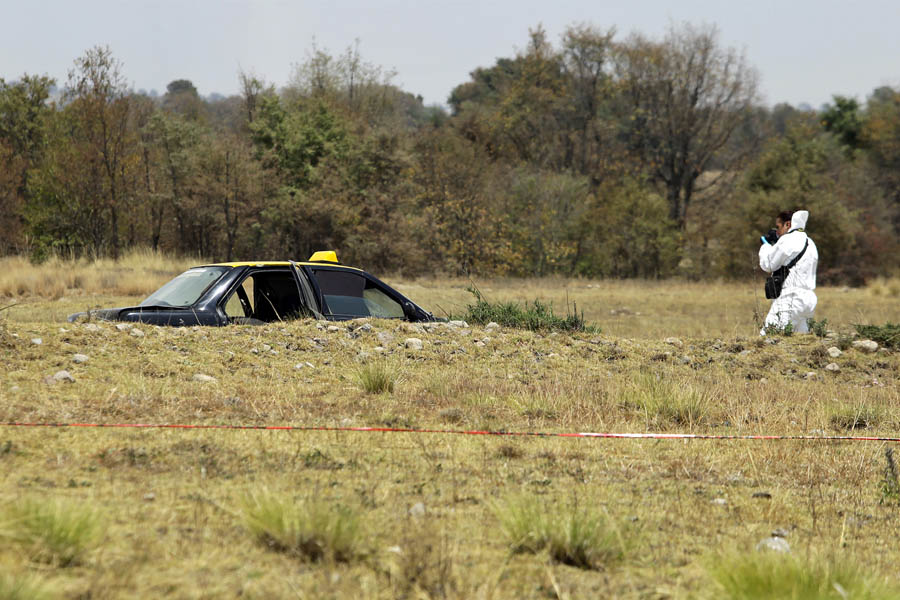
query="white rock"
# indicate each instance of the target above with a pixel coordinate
(137, 333)
(773, 544)
(417, 510)
(378, 349)
(479, 343)
(37, 341)
(719, 501)
(63, 376)
(457, 324)
(80, 358)
(203, 378)
(124, 326)
(867, 346)
(834, 352)
(812, 375)
(385, 337)
(492, 325)
(91, 327)
(833, 367)
(332, 328)
(413, 344)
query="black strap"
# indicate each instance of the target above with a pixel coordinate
(791, 264)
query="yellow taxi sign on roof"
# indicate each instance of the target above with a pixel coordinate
(324, 256)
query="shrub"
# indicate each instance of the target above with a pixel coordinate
(581, 538)
(311, 530)
(54, 531)
(535, 316)
(777, 575)
(663, 401)
(888, 335)
(819, 328)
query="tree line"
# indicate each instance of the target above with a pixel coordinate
(597, 156)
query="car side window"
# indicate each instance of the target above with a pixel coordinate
(350, 294)
(266, 296)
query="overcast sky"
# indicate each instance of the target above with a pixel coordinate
(804, 50)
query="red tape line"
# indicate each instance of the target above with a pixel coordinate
(649, 435)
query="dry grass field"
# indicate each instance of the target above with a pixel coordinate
(179, 513)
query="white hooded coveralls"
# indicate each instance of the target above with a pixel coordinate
(798, 298)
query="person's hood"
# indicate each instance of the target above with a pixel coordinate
(798, 219)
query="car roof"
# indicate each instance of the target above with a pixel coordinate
(280, 263)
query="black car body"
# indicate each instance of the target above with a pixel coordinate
(264, 292)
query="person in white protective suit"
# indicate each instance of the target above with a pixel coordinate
(798, 298)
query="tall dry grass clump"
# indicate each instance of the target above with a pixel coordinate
(312, 530)
(23, 587)
(771, 575)
(580, 537)
(138, 272)
(56, 532)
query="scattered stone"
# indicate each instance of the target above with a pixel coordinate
(149, 497)
(385, 337)
(59, 376)
(719, 501)
(834, 352)
(744, 353)
(413, 344)
(332, 328)
(764, 495)
(365, 327)
(254, 351)
(833, 368)
(124, 326)
(14, 389)
(137, 333)
(37, 341)
(378, 349)
(867, 346)
(394, 549)
(674, 342)
(266, 347)
(80, 358)
(685, 360)
(773, 544)
(363, 356)
(91, 327)
(480, 344)
(812, 376)
(492, 325)
(346, 422)
(462, 324)
(200, 377)
(417, 510)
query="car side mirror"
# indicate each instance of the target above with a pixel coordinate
(409, 311)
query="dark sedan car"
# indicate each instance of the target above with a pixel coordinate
(263, 292)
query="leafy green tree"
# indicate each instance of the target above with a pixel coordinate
(843, 119)
(24, 121)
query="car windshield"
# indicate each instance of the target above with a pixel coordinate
(185, 289)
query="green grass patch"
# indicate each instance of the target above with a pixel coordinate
(23, 587)
(770, 575)
(664, 402)
(57, 532)
(377, 378)
(534, 316)
(311, 530)
(580, 537)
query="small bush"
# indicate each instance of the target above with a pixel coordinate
(888, 335)
(310, 530)
(581, 538)
(53, 531)
(818, 328)
(23, 588)
(770, 575)
(787, 330)
(377, 378)
(536, 316)
(854, 417)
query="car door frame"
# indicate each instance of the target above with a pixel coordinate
(385, 288)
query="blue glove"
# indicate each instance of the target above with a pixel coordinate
(770, 238)
(763, 239)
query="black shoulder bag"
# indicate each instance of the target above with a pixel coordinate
(775, 281)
